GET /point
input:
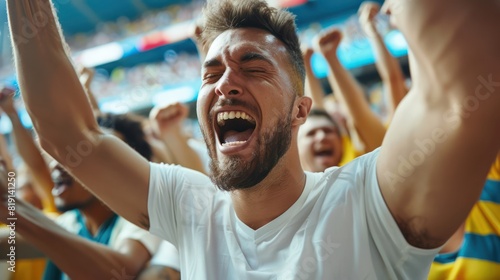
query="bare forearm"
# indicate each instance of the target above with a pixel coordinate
(52, 92)
(72, 254)
(368, 125)
(33, 159)
(313, 88)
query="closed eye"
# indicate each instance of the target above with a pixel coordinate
(211, 76)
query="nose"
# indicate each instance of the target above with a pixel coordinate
(229, 84)
(320, 135)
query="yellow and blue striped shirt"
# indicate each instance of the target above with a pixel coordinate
(479, 255)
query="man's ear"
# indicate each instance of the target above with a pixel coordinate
(302, 108)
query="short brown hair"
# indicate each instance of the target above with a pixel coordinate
(222, 15)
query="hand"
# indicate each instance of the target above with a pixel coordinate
(168, 119)
(7, 101)
(307, 53)
(367, 17)
(86, 77)
(327, 42)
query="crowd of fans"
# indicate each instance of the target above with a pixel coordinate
(124, 28)
(342, 126)
(178, 69)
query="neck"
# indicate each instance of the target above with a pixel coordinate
(266, 201)
(95, 214)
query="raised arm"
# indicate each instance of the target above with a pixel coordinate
(313, 87)
(30, 154)
(63, 117)
(387, 65)
(166, 122)
(349, 92)
(445, 133)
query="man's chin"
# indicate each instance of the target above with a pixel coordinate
(66, 207)
(236, 175)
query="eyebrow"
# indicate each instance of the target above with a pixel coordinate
(251, 56)
(247, 57)
(212, 63)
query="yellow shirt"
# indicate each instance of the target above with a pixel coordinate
(349, 152)
(479, 256)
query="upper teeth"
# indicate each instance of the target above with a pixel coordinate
(221, 117)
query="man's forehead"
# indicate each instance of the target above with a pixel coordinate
(314, 122)
(245, 39)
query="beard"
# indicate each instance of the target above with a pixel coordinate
(78, 205)
(234, 173)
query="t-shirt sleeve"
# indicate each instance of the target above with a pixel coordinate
(401, 260)
(130, 231)
(167, 255)
(174, 196)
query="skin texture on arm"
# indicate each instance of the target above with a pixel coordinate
(444, 135)
(30, 154)
(64, 120)
(167, 124)
(387, 65)
(349, 92)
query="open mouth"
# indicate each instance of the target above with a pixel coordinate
(61, 184)
(234, 128)
(324, 153)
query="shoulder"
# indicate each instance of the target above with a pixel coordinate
(167, 173)
(358, 172)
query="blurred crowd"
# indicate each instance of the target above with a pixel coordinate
(124, 28)
(176, 69)
(341, 127)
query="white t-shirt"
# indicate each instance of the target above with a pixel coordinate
(339, 228)
(167, 255)
(122, 231)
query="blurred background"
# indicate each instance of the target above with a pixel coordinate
(143, 55)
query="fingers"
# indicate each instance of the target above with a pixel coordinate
(328, 41)
(369, 10)
(169, 112)
(86, 76)
(6, 91)
(307, 52)
(7, 98)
